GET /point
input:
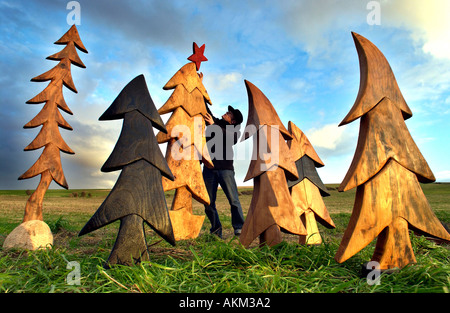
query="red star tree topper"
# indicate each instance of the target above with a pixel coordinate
(198, 56)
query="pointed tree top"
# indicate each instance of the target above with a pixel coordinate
(300, 145)
(377, 81)
(188, 77)
(261, 112)
(198, 56)
(72, 36)
(134, 96)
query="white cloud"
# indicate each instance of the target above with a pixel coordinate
(329, 136)
(223, 81)
(427, 20)
(443, 176)
(312, 23)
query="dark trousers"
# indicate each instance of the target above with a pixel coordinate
(225, 178)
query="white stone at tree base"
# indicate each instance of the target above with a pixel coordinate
(30, 235)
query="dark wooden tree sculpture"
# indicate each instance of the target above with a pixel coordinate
(138, 194)
(49, 163)
(307, 191)
(187, 105)
(386, 169)
(271, 209)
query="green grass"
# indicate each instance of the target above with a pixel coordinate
(210, 265)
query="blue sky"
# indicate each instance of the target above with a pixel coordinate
(299, 53)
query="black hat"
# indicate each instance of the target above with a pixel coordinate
(237, 115)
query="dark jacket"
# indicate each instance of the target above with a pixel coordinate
(221, 149)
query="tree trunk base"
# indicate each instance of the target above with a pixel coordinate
(185, 225)
(33, 208)
(312, 236)
(393, 248)
(130, 247)
(271, 236)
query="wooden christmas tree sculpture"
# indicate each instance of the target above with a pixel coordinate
(49, 163)
(386, 169)
(138, 195)
(307, 191)
(271, 209)
(186, 145)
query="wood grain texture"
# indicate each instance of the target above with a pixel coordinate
(139, 191)
(306, 196)
(70, 53)
(377, 81)
(134, 96)
(185, 224)
(193, 103)
(271, 209)
(138, 195)
(306, 168)
(59, 74)
(271, 204)
(307, 191)
(34, 205)
(50, 119)
(383, 135)
(386, 169)
(182, 199)
(312, 236)
(187, 131)
(72, 35)
(270, 151)
(136, 142)
(300, 145)
(49, 160)
(53, 93)
(261, 112)
(186, 148)
(188, 77)
(187, 172)
(130, 247)
(393, 193)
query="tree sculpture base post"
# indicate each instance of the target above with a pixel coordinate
(33, 233)
(185, 224)
(393, 248)
(271, 236)
(131, 246)
(33, 208)
(312, 236)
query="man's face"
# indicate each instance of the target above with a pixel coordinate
(229, 117)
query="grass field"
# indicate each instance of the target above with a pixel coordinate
(207, 264)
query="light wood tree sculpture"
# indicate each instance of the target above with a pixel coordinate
(386, 169)
(186, 145)
(307, 191)
(138, 195)
(271, 209)
(49, 163)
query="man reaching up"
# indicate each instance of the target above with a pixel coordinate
(221, 135)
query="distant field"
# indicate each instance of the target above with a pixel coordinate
(207, 264)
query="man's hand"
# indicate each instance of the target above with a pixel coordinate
(208, 119)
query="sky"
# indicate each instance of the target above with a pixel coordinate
(299, 53)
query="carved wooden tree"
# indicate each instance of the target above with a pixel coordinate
(386, 169)
(186, 145)
(138, 194)
(271, 209)
(307, 191)
(49, 163)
